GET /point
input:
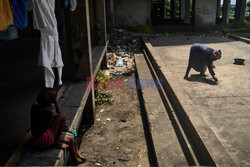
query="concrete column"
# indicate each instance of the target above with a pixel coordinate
(100, 15)
(112, 12)
(173, 9)
(218, 9)
(163, 9)
(226, 11)
(240, 10)
(187, 12)
(105, 21)
(182, 12)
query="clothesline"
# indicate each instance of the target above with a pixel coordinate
(47, 19)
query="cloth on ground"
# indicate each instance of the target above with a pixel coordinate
(199, 53)
(50, 52)
(6, 16)
(20, 9)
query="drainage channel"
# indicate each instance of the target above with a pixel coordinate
(194, 150)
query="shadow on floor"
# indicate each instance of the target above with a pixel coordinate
(202, 79)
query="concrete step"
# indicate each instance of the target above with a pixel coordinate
(166, 145)
(205, 145)
(72, 104)
(172, 28)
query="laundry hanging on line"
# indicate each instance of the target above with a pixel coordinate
(6, 16)
(20, 13)
(50, 52)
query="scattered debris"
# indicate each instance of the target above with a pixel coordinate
(121, 49)
(101, 110)
(123, 158)
(98, 164)
(123, 120)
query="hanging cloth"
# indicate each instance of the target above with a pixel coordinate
(50, 52)
(6, 16)
(20, 13)
(72, 3)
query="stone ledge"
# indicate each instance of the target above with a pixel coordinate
(168, 151)
(72, 103)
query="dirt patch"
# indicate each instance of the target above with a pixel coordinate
(117, 137)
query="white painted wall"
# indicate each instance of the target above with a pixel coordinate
(205, 14)
(129, 13)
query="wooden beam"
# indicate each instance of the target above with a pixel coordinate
(90, 57)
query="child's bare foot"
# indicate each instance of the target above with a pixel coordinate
(79, 155)
(61, 145)
(79, 161)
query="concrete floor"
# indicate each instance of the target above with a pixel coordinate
(226, 105)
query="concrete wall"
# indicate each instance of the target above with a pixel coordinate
(205, 14)
(129, 13)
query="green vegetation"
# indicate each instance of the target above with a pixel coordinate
(248, 5)
(100, 85)
(231, 16)
(235, 25)
(177, 9)
(178, 34)
(167, 7)
(142, 28)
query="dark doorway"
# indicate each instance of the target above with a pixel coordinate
(172, 12)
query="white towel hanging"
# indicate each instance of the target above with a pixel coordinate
(50, 52)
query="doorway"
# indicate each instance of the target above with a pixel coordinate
(172, 12)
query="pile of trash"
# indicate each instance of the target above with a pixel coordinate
(120, 53)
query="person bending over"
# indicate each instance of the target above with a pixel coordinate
(48, 127)
(201, 58)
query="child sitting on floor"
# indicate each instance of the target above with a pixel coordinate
(48, 127)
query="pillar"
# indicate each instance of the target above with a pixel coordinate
(240, 10)
(182, 12)
(92, 93)
(226, 11)
(105, 21)
(112, 12)
(187, 12)
(100, 14)
(163, 9)
(173, 9)
(218, 9)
